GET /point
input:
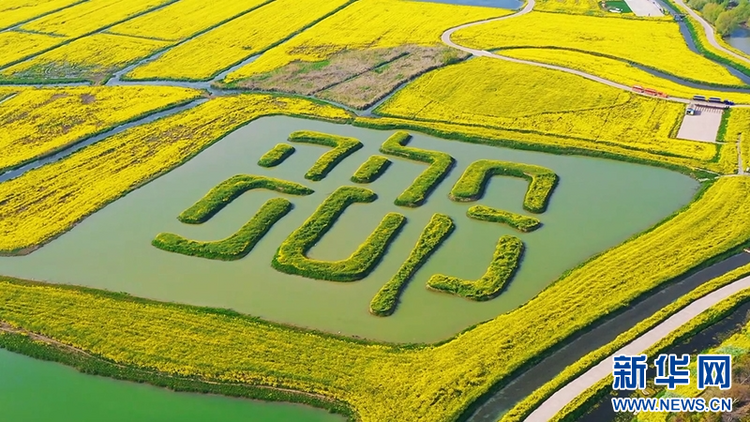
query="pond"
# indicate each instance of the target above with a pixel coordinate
(740, 39)
(597, 205)
(35, 391)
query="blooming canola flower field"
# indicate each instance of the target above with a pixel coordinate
(161, 81)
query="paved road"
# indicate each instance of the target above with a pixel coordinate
(710, 33)
(740, 168)
(562, 397)
(446, 38)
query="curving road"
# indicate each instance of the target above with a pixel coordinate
(710, 32)
(446, 39)
(562, 397)
(555, 403)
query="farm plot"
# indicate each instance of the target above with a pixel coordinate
(655, 44)
(15, 46)
(367, 24)
(90, 16)
(528, 99)
(617, 70)
(206, 55)
(39, 122)
(93, 58)
(13, 12)
(184, 18)
(356, 78)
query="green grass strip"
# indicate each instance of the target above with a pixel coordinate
(434, 234)
(229, 190)
(342, 148)
(504, 263)
(290, 257)
(235, 246)
(440, 163)
(494, 215)
(472, 184)
(276, 155)
(371, 169)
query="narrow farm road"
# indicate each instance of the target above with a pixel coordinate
(550, 407)
(710, 32)
(446, 39)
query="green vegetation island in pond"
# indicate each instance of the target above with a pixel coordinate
(596, 205)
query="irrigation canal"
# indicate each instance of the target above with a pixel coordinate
(499, 401)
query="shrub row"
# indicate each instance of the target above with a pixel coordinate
(494, 215)
(276, 155)
(235, 246)
(227, 191)
(473, 182)
(342, 148)
(290, 257)
(440, 164)
(434, 234)
(371, 169)
(504, 264)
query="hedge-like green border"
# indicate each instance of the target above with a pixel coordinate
(493, 215)
(235, 246)
(473, 182)
(440, 164)
(505, 262)
(434, 234)
(342, 148)
(227, 191)
(290, 257)
(276, 155)
(371, 169)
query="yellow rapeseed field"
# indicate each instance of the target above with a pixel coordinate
(208, 54)
(569, 6)
(657, 44)
(89, 16)
(369, 24)
(738, 130)
(13, 12)
(524, 139)
(44, 202)
(90, 58)
(15, 46)
(184, 18)
(617, 71)
(490, 92)
(383, 382)
(37, 122)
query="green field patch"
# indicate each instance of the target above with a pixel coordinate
(276, 155)
(472, 184)
(440, 164)
(371, 169)
(235, 246)
(504, 263)
(437, 230)
(616, 6)
(229, 190)
(342, 148)
(517, 221)
(290, 257)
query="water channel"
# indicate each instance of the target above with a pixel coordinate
(740, 39)
(597, 205)
(37, 391)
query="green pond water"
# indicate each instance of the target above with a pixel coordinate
(37, 391)
(597, 204)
